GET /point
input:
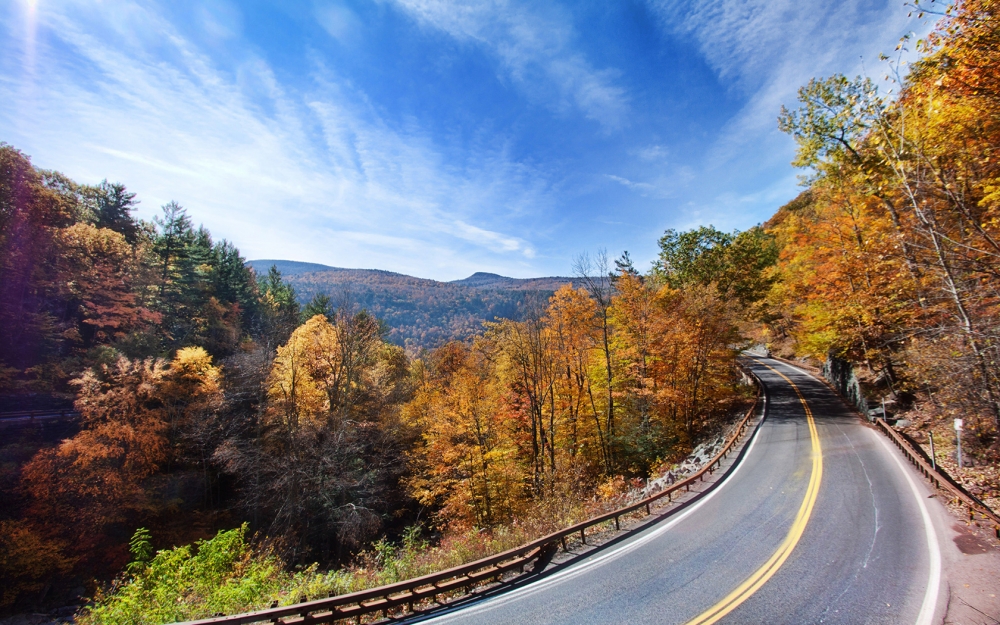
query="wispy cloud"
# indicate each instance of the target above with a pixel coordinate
(242, 150)
(654, 153)
(764, 50)
(750, 43)
(644, 187)
(534, 44)
(338, 21)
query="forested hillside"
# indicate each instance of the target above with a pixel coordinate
(274, 406)
(209, 399)
(419, 313)
(891, 257)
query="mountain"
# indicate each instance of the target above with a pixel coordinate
(418, 311)
(483, 280)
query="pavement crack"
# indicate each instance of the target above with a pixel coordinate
(871, 546)
(871, 490)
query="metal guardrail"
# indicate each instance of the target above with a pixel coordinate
(918, 457)
(938, 477)
(409, 592)
(31, 415)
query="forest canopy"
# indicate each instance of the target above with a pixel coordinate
(211, 398)
(890, 258)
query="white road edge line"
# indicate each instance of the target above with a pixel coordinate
(583, 567)
(929, 605)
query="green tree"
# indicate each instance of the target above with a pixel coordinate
(737, 264)
(113, 206)
(320, 304)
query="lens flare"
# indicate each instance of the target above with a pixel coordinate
(30, 31)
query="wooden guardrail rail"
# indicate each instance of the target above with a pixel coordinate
(940, 479)
(428, 587)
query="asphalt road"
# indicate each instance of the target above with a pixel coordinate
(818, 524)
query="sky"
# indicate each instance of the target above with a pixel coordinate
(435, 138)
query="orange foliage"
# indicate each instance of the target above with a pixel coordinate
(84, 490)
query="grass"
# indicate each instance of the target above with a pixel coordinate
(228, 574)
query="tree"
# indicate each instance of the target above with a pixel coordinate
(911, 178)
(88, 490)
(329, 453)
(736, 264)
(320, 304)
(30, 214)
(96, 267)
(572, 323)
(113, 206)
(594, 275)
(281, 309)
(471, 469)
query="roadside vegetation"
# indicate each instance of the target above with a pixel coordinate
(889, 259)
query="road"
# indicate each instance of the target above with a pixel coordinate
(820, 522)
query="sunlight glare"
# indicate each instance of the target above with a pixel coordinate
(30, 28)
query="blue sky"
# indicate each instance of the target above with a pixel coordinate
(432, 137)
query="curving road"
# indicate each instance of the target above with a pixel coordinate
(820, 522)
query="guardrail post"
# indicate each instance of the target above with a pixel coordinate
(583, 537)
(617, 524)
(563, 541)
(647, 506)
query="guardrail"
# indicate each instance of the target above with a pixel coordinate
(31, 415)
(919, 458)
(428, 587)
(939, 478)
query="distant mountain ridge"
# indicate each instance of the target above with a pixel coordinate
(419, 312)
(480, 279)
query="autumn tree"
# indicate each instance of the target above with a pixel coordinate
(575, 333)
(471, 469)
(329, 451)
(98, 266)
(30, 215)
(594, 274)
(908, 181)
(90, 489)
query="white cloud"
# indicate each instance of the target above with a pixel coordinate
(638, 186)
(652, 153)
(751, 42)
(339, 21)
(764, 50)
(534, 43)
(241, 150)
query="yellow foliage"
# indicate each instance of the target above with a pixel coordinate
(27, 561)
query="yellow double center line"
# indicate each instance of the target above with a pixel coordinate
(764, 573)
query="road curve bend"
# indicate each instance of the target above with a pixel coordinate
(819, 523)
